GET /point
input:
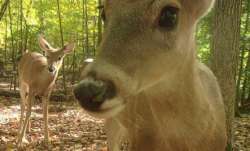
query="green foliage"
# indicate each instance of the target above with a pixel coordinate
(41, 16)
(203, 36)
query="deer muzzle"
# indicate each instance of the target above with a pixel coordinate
(92, 93)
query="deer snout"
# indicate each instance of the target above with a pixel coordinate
(92, 93)
(51, 68)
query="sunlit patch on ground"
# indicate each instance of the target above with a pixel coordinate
(9, 114)
(70, 128)
(242, 133)
(4, 85)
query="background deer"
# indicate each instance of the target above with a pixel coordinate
(37, 75)
(147, 82)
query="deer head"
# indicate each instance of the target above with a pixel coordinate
(54, 55)
(145, 42)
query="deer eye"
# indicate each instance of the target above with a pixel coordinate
(168, 17)
(59, 58)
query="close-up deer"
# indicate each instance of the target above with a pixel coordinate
(147, 82)
(37, 76)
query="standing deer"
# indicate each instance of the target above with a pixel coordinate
(37, 75)
(147, 82)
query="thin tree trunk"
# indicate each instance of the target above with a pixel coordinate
(83, 29)
(246, 79)
(241, 68)
(26, 33)
(6, 41)
(94, 36)
(73, 70)
(85, 5)
(99, 24)
(11, 35)
(21, 28)
(248, 98)
(62, 44)
(26, 37)
(13, 80)
(225, 49)
(41, 18)
(3, 8)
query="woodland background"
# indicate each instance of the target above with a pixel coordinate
(223, 43)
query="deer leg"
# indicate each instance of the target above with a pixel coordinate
(45, 117)
(22, 116)
(29, 123)
(23, 100)
(115, 133)
(28, 126)
(21, 138)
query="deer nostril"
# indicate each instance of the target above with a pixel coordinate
(51, 68)
(91, 94)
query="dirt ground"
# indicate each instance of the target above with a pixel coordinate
(71, 129)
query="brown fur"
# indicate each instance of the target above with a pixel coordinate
(37, 81)
(170, 101)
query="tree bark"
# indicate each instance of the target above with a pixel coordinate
(100, 25)
(94, 37)
(225, 49)
(246, 81)
(6, 41)
(13, 52)
(41, 18)
(27, 27)
(240, 79)
(3, 8)
(62, 44)
(86, 31)
(21, 28)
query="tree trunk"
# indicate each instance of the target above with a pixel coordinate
(62, 44)
(21, 28)
(3, 8)
(86, 31)
(240, 78)
(6, 41)
(13, 52)
(225, 49)
(246, 80)
(83, 28)
(27, 27)
(41, 18)
(74, 66)
(94, 36)
(99, 23)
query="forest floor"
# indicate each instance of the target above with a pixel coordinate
(71, 129)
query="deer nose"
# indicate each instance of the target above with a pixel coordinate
(51, 68)
(91, 93)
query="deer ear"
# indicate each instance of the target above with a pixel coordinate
(44, 45)
(198, 8)
(68, 48)
(206, 6)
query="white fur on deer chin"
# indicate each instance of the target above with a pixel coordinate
(110, 108)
